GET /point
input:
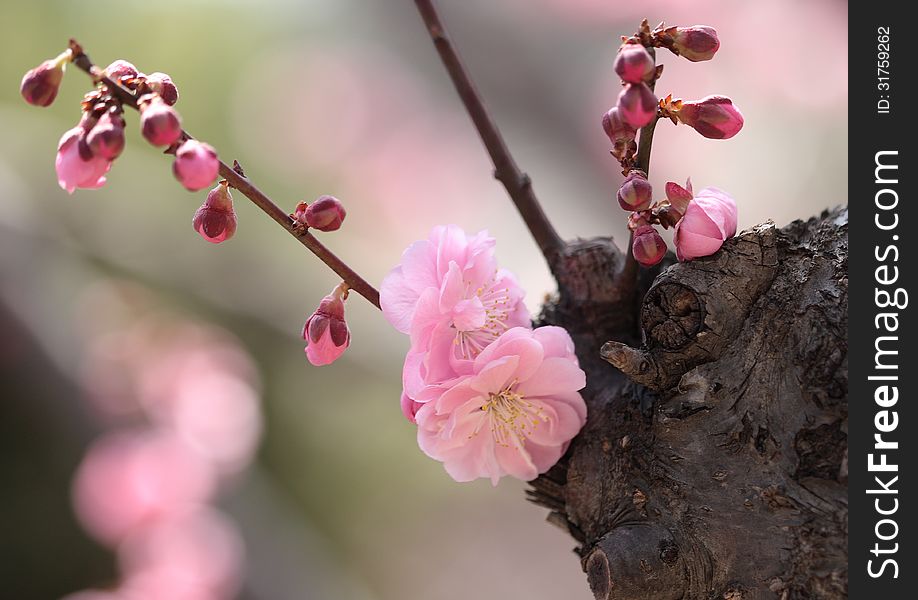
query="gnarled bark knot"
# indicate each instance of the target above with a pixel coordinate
(712, 462)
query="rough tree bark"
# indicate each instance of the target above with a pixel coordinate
(714, 460)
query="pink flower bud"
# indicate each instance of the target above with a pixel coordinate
(159, 122)
(106, 138)
(620, 133)
(634, 64)
(215, 220)
(696, 43)
(679, 196)
(121, 69)
(73, 169)
(162, 85)
(637, 105)
(196, 165)
(40, 85)
(636, 193)
(326, 333)
(648, 247)
(713, 117)
(710, 218)
(325, 214)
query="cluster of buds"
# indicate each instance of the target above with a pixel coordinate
(86, 152)
(713, 117)
(702, 222)
(326, 333)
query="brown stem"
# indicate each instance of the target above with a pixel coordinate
(246, 187)
(517, 183)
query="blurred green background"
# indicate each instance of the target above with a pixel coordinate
(347, 97)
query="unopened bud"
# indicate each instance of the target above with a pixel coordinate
(196, 165)
(159, 122)
(325, 214)
(648, 246)
(713, 117)
(121, 69)
(636, 193)
(637, 105)
(620, 134)
(326, 332)
(162, 85)
(215, 220)
(106, 138)
(696, 43)
(634, 64)
(40, 85)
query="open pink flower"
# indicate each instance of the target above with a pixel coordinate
(451, 298)
(710, 218)
(514, 414)
(326, 332)
(73, 170)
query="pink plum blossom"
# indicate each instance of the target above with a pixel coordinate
(326, 332)
(73, 170)
(514, 414)
(450, 297)
(196, 165)
(130, 479)
(710, 218)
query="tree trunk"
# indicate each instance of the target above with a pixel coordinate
(714, 460)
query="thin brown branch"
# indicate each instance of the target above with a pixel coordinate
(517, 183)
(246, 187)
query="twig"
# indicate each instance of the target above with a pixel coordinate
(517, 183)
(241, 183)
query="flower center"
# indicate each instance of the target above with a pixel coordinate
(495, 304)
(511, 417)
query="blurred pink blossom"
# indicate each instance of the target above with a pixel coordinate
(129, 479)
(197, 551)
(514, 415)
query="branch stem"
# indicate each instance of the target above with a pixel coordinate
(517, 183)
(354, 281)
